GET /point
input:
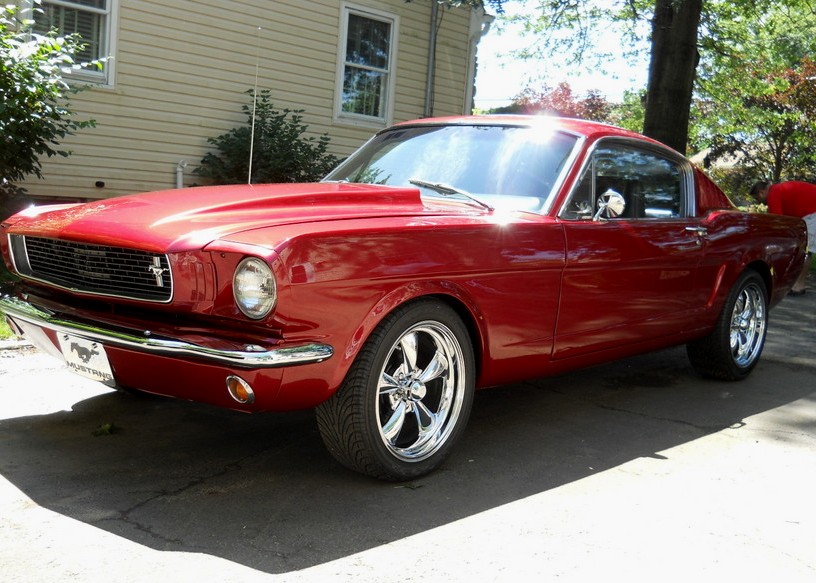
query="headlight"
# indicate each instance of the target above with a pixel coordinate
(254, 288)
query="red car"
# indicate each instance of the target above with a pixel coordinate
(443, 256)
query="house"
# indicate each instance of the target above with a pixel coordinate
(179, 70)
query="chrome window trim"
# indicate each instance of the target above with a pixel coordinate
(549, 200)
(686, 169)
(562, 176)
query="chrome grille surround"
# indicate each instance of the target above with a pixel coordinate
(101, 270)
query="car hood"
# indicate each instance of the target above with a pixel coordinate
(186, 219)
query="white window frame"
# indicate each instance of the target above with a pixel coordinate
(356, 119)
(106, 75)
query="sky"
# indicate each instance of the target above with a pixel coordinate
(501, 76)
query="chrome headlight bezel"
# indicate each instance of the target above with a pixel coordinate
(254, 288)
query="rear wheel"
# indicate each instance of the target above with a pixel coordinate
(733, 348)
(407, 397)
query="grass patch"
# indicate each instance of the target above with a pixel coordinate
(5, 331)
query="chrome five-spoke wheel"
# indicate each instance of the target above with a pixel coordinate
(748, 322)
(733, 347)
(420, 393)
(407, 397)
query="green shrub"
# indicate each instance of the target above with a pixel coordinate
(281, 152)
(736, 182)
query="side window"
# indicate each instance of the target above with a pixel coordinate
(651, 184)
(365, 67)
(92, 21)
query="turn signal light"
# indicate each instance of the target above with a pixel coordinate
(240, 390)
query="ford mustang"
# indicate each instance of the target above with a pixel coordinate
(443, 256)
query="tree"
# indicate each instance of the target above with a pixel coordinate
(630, 113)
(757, 97)
(673, 31)
(770, 127)
(496, 5)
(672, 70)
(560, 101)
(687, 39)
(35, 113)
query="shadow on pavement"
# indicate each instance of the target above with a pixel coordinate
(261, 490)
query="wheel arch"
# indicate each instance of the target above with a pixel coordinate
(447, 293)
(469, 319)
(732, 271)
(764, 271)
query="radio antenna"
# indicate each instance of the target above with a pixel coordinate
(254, 102)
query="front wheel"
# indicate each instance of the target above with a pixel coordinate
(732, 349)
(406, 398)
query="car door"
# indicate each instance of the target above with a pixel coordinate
(628, 278)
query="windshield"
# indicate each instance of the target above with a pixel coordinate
(504, 167)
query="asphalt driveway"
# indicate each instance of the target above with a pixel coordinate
(635, 469)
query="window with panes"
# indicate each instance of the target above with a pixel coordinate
(89, 19)
(366, 65)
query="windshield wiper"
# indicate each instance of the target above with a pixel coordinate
(448, 190)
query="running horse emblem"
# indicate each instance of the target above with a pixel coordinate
(158, 271)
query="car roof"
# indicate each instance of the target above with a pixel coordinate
(589, 129)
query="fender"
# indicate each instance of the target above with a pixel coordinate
(450, 291)
(778, 265)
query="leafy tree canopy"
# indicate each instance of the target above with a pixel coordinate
(743, 48)
(757, 95)
(496, 5)
(34, 111)
(560, 101)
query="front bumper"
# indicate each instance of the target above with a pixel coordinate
(252, 357)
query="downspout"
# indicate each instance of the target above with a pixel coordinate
(182, 164)
(431, 69)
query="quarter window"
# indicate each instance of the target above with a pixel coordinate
(365, 72)
(91, 21)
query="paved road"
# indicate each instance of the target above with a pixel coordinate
(636, 469)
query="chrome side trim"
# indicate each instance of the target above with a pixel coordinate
(253, 357)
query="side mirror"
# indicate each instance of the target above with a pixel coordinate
(610, 205)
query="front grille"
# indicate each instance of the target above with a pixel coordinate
(97, 269)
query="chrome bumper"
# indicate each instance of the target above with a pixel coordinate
(251, 357)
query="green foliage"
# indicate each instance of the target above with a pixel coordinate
(732, 34)
(281, 153)
(586, 32)
(5, 277)
(106, 429)
(757, 94)
(5, 331)
(34, 110)
(496, 5)
(630, 113)
(736, 181)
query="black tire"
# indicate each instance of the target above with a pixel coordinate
(733, 348)
(393, 423)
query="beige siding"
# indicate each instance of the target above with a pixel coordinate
(182, 70)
